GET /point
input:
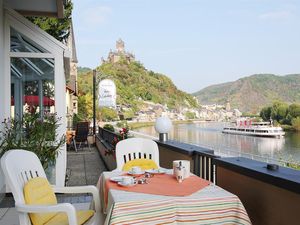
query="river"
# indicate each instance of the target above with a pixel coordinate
(209, 134)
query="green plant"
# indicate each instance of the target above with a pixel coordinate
(122, 123)
(76, 118)
(33, 134)
(108, 114)
(109, 127)
(58, 28)
(123, 134)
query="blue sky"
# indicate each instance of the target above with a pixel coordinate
(196, 43)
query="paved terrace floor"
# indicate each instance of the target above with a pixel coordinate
(83, 168)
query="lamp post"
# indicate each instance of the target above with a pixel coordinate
(94, 102)
(163, 126)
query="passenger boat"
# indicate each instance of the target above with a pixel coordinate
(247, 127)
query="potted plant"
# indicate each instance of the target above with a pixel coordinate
(32, 133)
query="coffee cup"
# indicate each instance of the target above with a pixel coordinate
(127, 180)
(136, 169)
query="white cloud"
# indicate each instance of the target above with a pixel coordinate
(96, 16)
(276, 15)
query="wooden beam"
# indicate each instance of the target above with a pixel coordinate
(35, 13)
(60, 8)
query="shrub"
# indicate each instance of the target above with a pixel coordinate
(296, 123)
(33, 134)
(109, 127)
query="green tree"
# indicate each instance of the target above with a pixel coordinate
(265, 113)
(108, 114)
(296, 123)
(279, 111)
(294, 110)
(85, 106)
(190, 115)
(58, 28)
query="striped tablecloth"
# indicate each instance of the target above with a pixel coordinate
(211, 205)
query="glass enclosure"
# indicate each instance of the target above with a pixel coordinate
(32, 78)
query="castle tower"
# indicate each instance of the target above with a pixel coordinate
(120, 45)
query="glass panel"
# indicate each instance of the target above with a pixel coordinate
(20, 43)
(32, 86)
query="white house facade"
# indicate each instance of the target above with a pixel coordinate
(29, 57)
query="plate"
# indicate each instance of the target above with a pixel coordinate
(127, 185)
(156, 171)
(139, 173)
(117, 179)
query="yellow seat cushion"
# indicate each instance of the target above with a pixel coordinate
(38, 191)
(145, 164)
(62, 218)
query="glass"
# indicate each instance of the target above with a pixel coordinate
(32, 86)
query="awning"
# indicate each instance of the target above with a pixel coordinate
(34, 100)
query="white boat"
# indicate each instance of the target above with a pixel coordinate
(247, 127)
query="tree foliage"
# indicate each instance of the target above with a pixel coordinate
(107, 114)
(135, 84)
(190, 115)
(282, 113)
(58, 28)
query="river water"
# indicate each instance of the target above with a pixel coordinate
(209, 134)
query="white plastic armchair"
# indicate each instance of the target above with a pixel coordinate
(136, 148)
(19, 166)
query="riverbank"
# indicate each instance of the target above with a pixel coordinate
(136, 125)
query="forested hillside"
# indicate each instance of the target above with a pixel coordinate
(135, 84)
(251, 93)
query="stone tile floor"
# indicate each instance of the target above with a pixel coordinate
(83, 168)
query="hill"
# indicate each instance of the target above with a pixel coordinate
(251, 93)
(83, 70)
(135, 85)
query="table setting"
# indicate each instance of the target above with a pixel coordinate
(159, 195)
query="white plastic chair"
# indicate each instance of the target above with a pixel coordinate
(136, 148)
(19, 166)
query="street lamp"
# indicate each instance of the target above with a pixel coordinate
(163, 126)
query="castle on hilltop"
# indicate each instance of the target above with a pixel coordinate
(115, 56)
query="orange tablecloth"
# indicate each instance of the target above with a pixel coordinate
(164, 184)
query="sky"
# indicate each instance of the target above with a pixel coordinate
(196, 43)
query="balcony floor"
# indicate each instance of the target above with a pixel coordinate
(83, 168)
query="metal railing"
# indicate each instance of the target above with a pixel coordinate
(204, 166)
(107, 135)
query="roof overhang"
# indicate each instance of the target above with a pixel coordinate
(49, 8)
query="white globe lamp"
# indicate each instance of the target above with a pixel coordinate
(163, 125)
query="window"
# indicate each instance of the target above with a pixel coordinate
(32, 78)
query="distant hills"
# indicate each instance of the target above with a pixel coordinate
(135, 84)
(251, 93)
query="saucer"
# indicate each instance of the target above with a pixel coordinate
(138, 173)
(127, 185)
(156, 171)
(117, 179)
